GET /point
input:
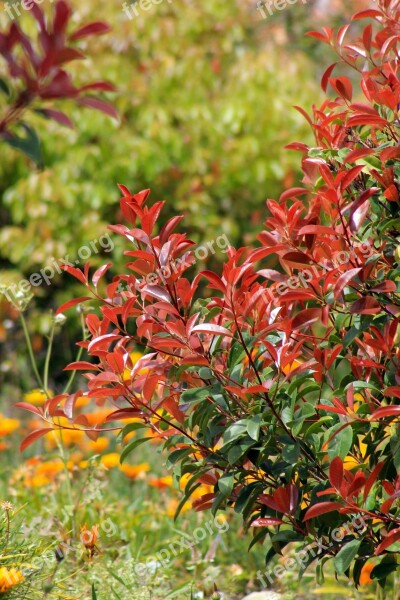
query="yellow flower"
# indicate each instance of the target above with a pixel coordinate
(37, 481)
(350, 463)
(99, 445)
(7, 426)
(173, 505)
(110, 460)
(69, 437)
(135, 357)
(9, 578)
(135, 471)
(36, 397)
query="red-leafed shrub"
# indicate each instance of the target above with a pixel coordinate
(37, 76)
(280, 386)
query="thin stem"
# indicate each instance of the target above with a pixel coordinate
(47, 360)
(30, 351)
(78, 357)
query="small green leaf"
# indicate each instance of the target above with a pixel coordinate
(346, 555)
(253, 427)
(130, 447)
(225, 484)
(194, 395)
(29, 145)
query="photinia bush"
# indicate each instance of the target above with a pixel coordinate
(281, 387)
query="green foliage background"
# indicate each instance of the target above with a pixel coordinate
(205, 97)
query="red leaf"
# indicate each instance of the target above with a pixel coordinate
(365, 306)
(391, 538)
(386, 411)
(292, 193)
(32, 437)
(336, 472)
(318, 229)
(266, 522)
(81, 366)
(372, 478)
(77, 273)
(318, 36)
(212, 329)
(326, 76)
(364, 14)
(392, 391)
(344, 280)
(321, 509)
(58, 116)
(72, 303)
(96, 28)
(303, 112)
(103, 86)
(306, 317)
(100, 105)
(29, 407)
(350, 177)
(99, 273)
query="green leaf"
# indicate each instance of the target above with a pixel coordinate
(253, 427)
(346, 555)
(194, 395)
(131, 427)
(291, 452)
(395, 448)
(177, 455)
(235, 431)
(4, 87)
(94, 595)
(130, 447)
(341, 443)
(225, 484)
(29, 145)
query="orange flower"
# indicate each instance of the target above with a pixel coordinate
(365, 576)
(135, 471)
(99, 416)
(9, 578)
(287, 369)
(161, 483)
